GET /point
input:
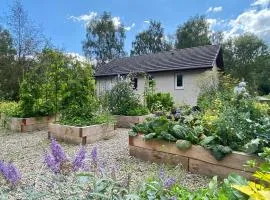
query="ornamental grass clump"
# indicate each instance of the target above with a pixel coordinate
(10, 173)
(58, 162)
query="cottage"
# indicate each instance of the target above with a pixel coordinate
(175, 71)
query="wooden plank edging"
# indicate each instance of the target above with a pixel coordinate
(81, 135)
(233, 162)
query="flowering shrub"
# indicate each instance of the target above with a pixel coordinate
(122, 100)
(10, 172)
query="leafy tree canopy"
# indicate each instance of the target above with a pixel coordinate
(9, 84)
(194, 32)
(151, 40)
(104, 40)
(247, 56)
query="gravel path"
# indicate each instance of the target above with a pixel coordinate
(26, 151)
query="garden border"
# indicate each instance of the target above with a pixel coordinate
(26, 124)
(123, 121)
(81, 135)
(196, 159)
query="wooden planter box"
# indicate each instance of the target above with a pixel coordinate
(81, 135)
(196, 159)
(26, 124)
(129, 121)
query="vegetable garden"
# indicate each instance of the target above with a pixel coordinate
(226, 121)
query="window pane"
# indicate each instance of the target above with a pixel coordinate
(135, 83)
(179, 81)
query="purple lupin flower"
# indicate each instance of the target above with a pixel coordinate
(58, 152)
(94, 156)
(51, 163)
(10, 172)
(78, 162)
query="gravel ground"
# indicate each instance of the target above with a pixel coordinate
(26, 151)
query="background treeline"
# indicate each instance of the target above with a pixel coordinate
(21, 41)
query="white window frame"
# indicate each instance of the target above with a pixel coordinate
(175, 82)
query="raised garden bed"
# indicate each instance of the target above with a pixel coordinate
(129, 121)
(196, 159)
(26, 124)
(81, 135)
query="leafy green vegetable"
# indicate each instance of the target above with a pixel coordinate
(179, 131)
(219, 151)
(149, 136)
(183, 144)
(158, 125)
(165, 135)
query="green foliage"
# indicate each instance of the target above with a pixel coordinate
(183, 144)
(10, 109)
(78, 104)
(159, 101)
(235, 120)
(227, 121)
(247, 56)
(150, 40)
(194, 32)
(259, 189)
(10, 72)
(154, 189)
(41, 88)
(104, 41)
(122, 100)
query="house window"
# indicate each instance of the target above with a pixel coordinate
(135, 83)
(179, 81)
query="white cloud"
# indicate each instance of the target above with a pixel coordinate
(85, 18)
(252, 21)
(211, 22)
(147, 21)
(116, 22)
(81, 58)
(214, 9)
(128, 28)
(263, 3)
(88, 17)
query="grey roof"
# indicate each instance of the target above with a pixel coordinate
(184, 59)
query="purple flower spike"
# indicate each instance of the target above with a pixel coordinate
(10, 172)
(78, 162)
(51, 163)
(169, 183)
(94, 156)
(2, 166)
(161, 174)
(57, 152)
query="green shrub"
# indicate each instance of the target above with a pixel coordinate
(122, 100)
(10, 109)
(159, 101)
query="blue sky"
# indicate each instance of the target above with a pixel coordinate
(62, 20)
